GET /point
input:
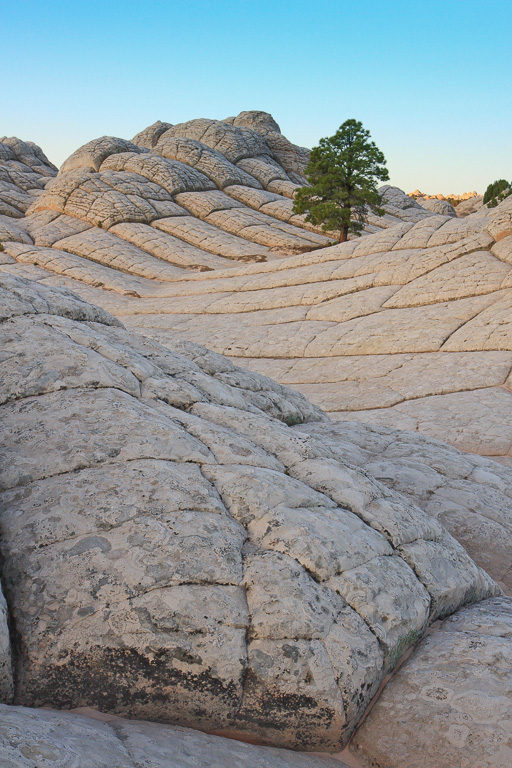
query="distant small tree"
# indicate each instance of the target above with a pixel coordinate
(496, 192)
(342, 173)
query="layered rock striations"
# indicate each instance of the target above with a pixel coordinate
(408, 326)
(174, 549)
(24, 172)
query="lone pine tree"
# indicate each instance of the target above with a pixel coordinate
(342, 173)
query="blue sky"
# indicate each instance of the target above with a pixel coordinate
(430, 80)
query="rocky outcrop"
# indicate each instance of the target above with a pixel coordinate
(472, 205)
(451, 702)
(469, 495)
(186, 541)
(24, 172)
(293, 158)
(46, 739)
(443, 207)
(173, 549)
(408, 326)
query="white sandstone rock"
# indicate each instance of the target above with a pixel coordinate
(174, 550)
(450, 704)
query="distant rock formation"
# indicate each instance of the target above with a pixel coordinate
(465, 196)
(465, 204)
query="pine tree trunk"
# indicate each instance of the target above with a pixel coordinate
(343, 234)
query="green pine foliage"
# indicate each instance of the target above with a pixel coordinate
(496, 192)
(342, 173)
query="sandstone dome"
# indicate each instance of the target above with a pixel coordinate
(174, 550)
(407, 326)
(443, 207)
(186, 541)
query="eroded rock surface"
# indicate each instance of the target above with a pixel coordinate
(46, 739)
(24, 172)
(472, 205)
(438, 206)
(174, 550)
(450, 704)
(408, 326)
(470, 495)
(6, 682)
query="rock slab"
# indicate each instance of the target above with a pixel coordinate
(451, 702)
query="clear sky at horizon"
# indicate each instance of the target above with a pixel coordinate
(431, 81)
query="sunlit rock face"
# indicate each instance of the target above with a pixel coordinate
(174, 549)
(407, 326)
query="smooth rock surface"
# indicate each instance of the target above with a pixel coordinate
(37, 738)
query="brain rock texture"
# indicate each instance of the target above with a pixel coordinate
(189, 542)
(470, 495)
(188, 230)
(451, 703)
(174, 549)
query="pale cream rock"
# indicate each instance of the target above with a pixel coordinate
(395, 620)
(156, 506)
(91, 155)
(173, 176)
(9, 231)
(150, 135)
(211, 239)
(451, 702)
(6, 679)
(168, 248)
(469, 206)
(443, 207)
(51, 739)
(209, 162)
(183, 203)
(477, 421)
(470, 495)
(24, 171)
